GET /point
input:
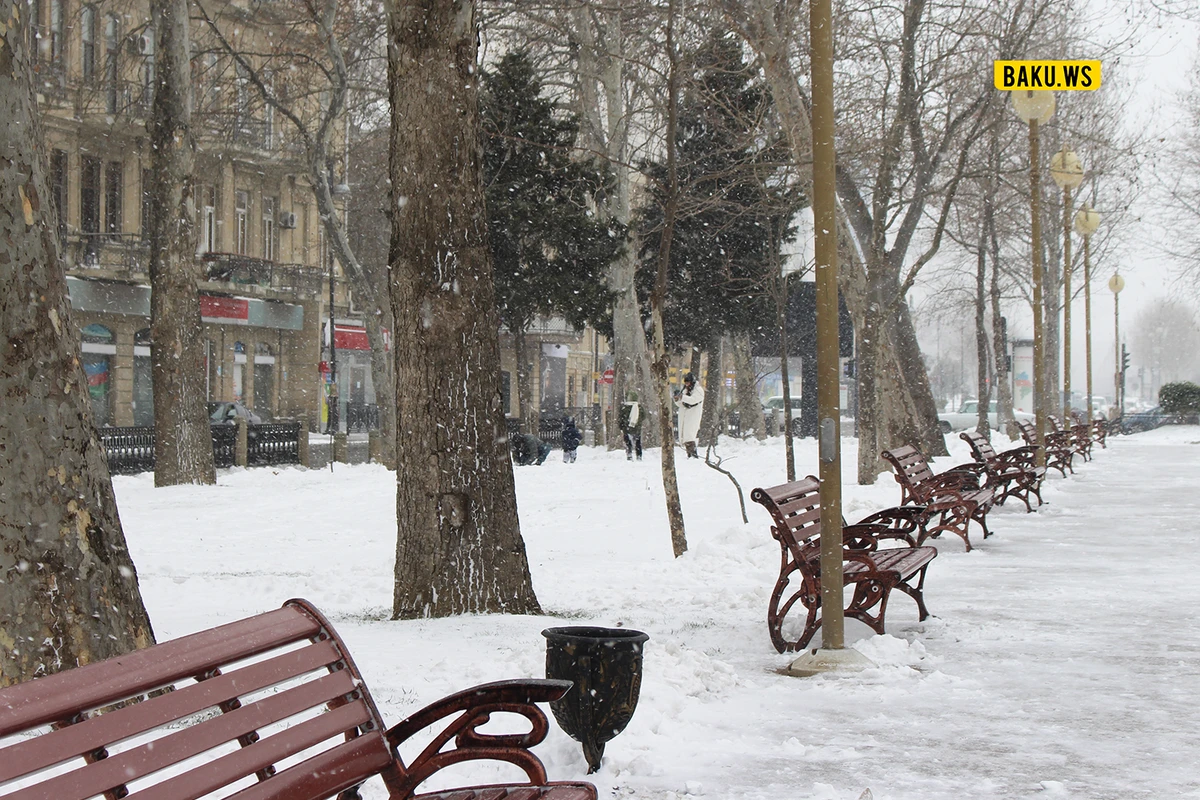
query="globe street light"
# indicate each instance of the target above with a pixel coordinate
(1036, 108)
(1067, 172)
(1117, 283)
(1086, 223)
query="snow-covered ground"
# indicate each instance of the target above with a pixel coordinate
(1062, 660)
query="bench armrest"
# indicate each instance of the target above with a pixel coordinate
(899, 522)
(474, 708)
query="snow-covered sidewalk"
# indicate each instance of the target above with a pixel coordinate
(1063, 658)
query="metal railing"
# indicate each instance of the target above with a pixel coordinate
(234, 268)
(130, 450)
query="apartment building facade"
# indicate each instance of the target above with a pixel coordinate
(263, 263)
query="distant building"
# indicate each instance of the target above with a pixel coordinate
(262, 261)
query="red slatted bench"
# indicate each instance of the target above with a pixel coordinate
(795, 509)
(1060, 450)
(952, 499)
(1077, 433)
(266, 707)
(1012, 473)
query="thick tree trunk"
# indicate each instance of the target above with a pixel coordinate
(70, 591)
(459, 546)
(183, 450)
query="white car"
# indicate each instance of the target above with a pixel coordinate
(967, 416)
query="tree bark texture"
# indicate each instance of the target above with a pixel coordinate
(750, 414)
(183, 451)
(68, 588)
(459, 547)
(712, 416)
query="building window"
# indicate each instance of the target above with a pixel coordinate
(113, 179)
(87, 35)
(89, 199)
(58, 31)
(58, 188)
(207, 241)
(146, 45)
(241, 221)
(112, 52)
(268, 227)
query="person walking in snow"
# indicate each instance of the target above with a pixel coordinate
(691, 407)
(571, 437)
(631, 426)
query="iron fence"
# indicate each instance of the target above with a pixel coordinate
(130, 450)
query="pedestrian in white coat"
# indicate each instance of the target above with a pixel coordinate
(691, 407)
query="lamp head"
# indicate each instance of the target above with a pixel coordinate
(1033, 106)
(1066, 170)
(1087, 220)
(1116, 283)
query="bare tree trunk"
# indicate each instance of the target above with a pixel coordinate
(659, 298)
(605, 129)
(70, 588)
(459, 547)
(983, 385)
(183, 451)
(528, 412)
(749, 407)
(713, 413)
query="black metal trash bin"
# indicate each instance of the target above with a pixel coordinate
(605, 664)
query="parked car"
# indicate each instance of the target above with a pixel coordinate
(967, 416)
(226, 413)
(1148, 420)
(774, 407)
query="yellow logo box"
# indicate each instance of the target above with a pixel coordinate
(1059, 76)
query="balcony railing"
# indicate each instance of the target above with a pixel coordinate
(233, 268)
(127, 255)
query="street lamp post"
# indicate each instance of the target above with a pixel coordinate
(1086, 223)
(1036, 108)
(1117, 283)
(1067, 172)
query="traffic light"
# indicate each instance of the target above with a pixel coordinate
(1124, 359)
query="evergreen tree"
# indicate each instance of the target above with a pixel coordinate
(550, 250)
(733, 204)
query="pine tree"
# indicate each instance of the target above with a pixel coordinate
(733, 202)
(550, 250)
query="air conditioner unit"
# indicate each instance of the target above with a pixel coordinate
(287, 219)
(141, 44)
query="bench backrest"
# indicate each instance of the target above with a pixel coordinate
(1028, 431)
(981, 448)
(795, 509)
(129, 725)
(910, 469)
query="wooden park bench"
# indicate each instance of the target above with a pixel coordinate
(1060, 450)
(952, 499)
(1078, 434)
(267, 707)
(1098, 429)
(1012, 473)
(795, 509)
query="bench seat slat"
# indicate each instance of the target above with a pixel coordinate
(213, 775)
(56, 698)
(73, 741)
(326, 774)
(148, 758)
(553, 791)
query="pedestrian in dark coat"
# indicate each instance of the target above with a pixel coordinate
(571, 437)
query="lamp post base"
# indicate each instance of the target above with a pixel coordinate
(823, 661)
